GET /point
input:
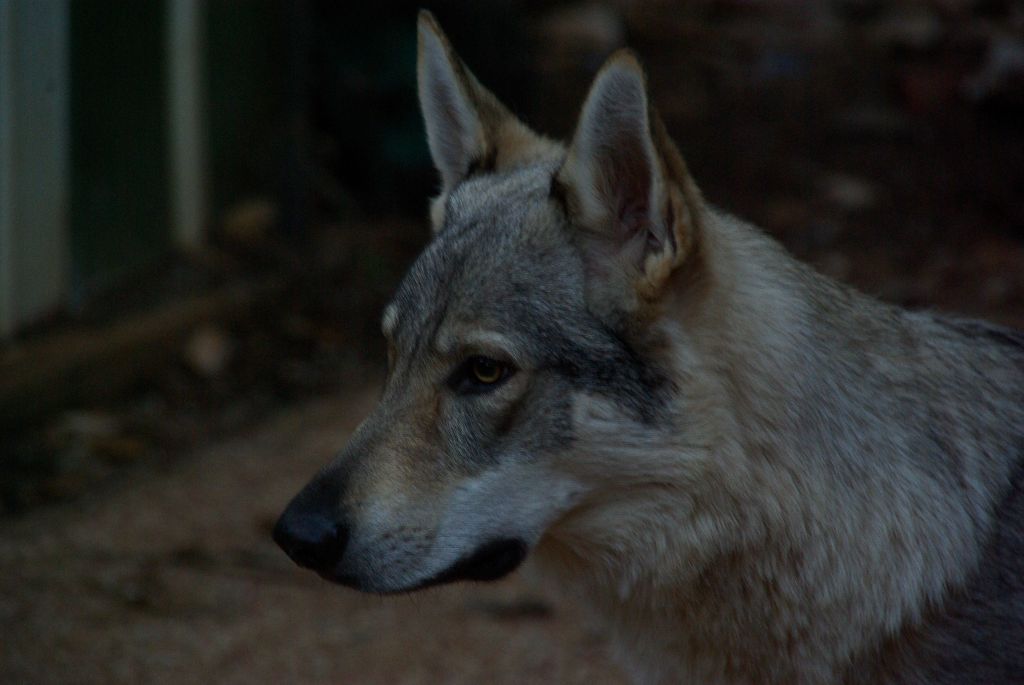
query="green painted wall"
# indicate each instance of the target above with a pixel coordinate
(119, 162)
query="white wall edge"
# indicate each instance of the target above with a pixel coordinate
(185, 49)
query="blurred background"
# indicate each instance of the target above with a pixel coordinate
(205, 205)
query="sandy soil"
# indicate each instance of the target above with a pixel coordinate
(172, 577)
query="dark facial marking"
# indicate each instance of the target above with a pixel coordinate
(594, 358)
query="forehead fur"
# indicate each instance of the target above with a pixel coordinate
(503, 238)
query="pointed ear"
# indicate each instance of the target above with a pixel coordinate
(468, 129)
(455, 132)
(627, 188)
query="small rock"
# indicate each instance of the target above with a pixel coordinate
(208, 351)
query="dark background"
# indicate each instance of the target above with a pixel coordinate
(178, 397)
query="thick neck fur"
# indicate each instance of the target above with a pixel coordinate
(826, 482)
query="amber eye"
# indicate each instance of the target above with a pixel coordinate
(486, 371)
(479, 374)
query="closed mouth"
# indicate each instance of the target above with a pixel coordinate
(494, 560)
(491, 561)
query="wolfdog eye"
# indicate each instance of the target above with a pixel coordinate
(479, 374)
(486, 371)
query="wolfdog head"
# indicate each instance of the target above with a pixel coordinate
(532, 375)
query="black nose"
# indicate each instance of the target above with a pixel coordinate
(311, 540)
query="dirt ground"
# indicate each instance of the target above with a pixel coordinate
(173, 578)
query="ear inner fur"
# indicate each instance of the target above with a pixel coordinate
(623, 175)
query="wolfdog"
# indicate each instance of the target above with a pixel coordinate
(755, 474)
